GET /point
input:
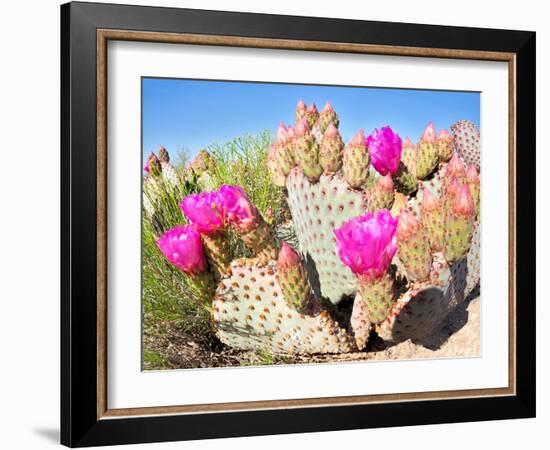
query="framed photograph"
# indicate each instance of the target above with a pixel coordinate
(277, 224)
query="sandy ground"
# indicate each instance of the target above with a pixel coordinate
(459, 336)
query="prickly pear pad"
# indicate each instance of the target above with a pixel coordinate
(317, 209)
(249, 312)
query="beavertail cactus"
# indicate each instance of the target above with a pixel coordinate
(249, 311)
(467, 142)
(388, 225)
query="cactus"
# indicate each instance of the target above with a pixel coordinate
(467, 142)
(359, 212)
(249, 312)
(426, 155)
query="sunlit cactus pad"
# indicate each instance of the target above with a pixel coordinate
(249, 312)
(467, 142)
(318, 208)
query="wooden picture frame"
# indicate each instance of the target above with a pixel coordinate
(85, 416)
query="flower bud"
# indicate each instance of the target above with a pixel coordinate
(356, 161)
(414, 247)
(164, 157)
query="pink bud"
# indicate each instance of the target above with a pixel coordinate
(146, 168)
(241, 213)
(287, 257)
(301, 128)
(452, 187)
(289, 134)
(407, 225)
(385, 150)
(429, 202)
(163, 155)
(386, 183)
(358, 140)
(281, 135)
(331, 131)
(454, 168)
(206, 211)
(429, 134)
(463, 204)
(183, 248)
(367, 244)
(472, 175)
(301, 105)
(327, 108)
(444, 135)
(408, 144)
(312, 109)
(153, 164)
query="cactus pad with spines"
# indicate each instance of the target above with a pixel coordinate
(250, 312)
(317, 209)
(467, 142)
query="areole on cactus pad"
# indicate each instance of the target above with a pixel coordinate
(383, 238)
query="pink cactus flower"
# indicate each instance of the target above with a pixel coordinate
(385, 147)
(183, 248)
(367, 244)
(241, 213)
(463, 204)
(206, 211)
(287, 257)
(301, 106)
(429, 134)
(146, 168)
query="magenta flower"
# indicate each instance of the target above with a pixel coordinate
(385, 150)
(146, 168)
(205, 210)
(183, 248)
(367, 244)
(241, 213)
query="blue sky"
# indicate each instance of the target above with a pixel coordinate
(192, 114)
